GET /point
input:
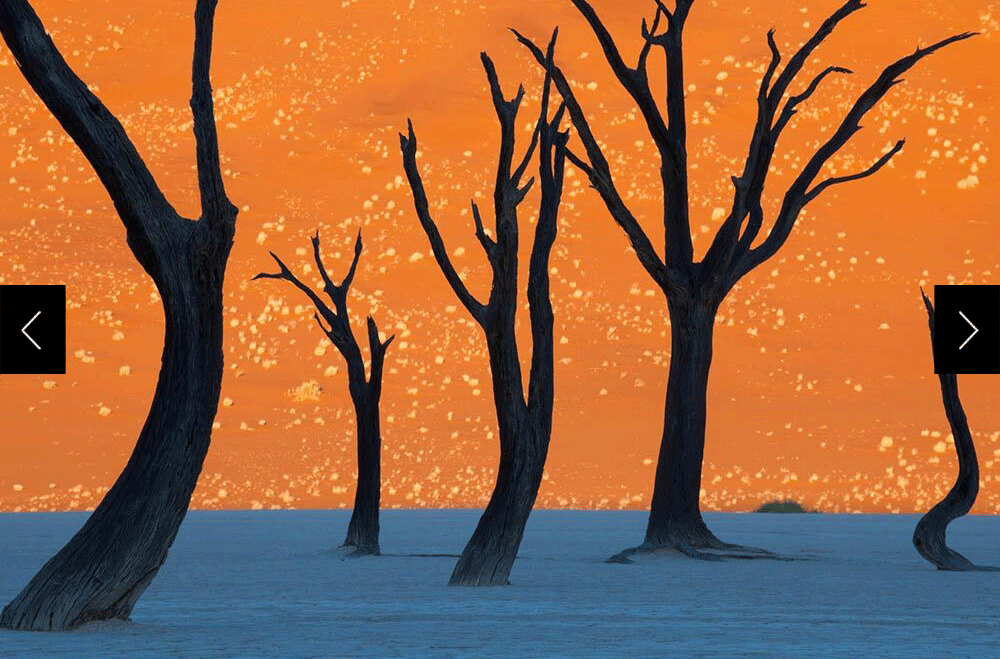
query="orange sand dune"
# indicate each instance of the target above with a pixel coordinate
(822, 386)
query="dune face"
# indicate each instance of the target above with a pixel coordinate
(822, 386)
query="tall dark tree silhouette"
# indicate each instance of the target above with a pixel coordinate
(695, 289)
(929, 536)
(106, 566)
(525, 426)
(366, 391)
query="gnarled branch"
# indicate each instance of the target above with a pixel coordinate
(140, 203)
(733, 240)
(799, 193)
(338, 321)
(668, 133)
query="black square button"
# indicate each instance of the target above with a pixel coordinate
(967, 329)
(32, 329)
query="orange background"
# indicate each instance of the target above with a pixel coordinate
(822, 386)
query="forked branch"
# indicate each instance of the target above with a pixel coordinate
(599, 172)
(338, 321)
(508, 193)
(668, 133)
(801, 192)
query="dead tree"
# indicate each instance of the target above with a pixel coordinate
(107, 565)
(929, 536)
(695, 289)
(525, 426)
(366, 391)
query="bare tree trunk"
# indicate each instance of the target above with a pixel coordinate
(363, 529)
(489, 555)
(106, 566)
(525, 426)
(366, 391)
(929, 536)
(675, 515)
(675, 521)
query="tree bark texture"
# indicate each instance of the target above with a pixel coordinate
(104, 569)
(675, 514)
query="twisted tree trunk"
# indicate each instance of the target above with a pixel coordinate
(106, 566)
(929, 537)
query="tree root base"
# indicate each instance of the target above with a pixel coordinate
(715, 551)
(353, 551)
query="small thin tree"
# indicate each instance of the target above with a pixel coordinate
(695, 289)
(929, 537)
(106, 566)
(525, 426)
(366, 391)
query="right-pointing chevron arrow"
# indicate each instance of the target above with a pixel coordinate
(975, 330)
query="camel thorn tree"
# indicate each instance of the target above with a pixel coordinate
(525, 425)
(695, 289)
(929, 536)
(106, 566)
(365, 389)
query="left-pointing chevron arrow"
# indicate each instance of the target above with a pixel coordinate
(24, 330)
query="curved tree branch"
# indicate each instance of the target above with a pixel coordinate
(791, 107)
(837, 180)
(408, 145)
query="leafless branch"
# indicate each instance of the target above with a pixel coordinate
(599, 171)
(408, 145)
(879, 164)
(215, 205)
